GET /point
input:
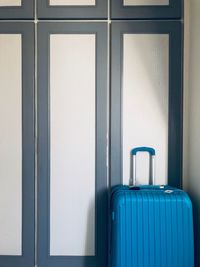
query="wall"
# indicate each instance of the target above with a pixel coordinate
(192, 183)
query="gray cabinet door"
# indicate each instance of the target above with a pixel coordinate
(72, 9)
(147, 98)
(17, 145)
(72, 128)
(146, 9)
(16, 9)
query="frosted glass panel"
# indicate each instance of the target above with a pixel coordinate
(145, 102)
(146, 2)
(10, 3)
(72, 2)
(72, 99)
(10, 144)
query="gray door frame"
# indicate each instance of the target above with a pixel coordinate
(28, 146)
(44, 258)
(175, 125)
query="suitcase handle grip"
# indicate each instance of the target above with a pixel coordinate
(152, 154)
(150, 150)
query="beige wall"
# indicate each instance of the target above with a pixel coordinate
(192, 92)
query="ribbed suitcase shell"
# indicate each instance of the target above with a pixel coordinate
(151, 227)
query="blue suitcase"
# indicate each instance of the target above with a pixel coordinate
(151, 226)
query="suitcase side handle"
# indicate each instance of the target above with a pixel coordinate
(152, 154)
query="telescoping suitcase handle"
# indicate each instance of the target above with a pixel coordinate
(152, 154)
